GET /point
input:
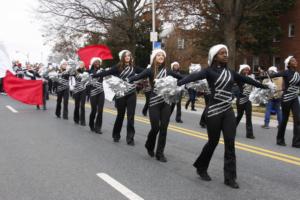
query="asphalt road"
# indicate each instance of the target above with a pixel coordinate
(45, 158)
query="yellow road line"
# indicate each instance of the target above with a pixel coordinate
(245, 147)
(249, 148)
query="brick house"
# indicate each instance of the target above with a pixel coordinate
(179, 45)
(288, 43)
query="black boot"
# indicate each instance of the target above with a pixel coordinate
(161, 158)
(82, 123)
(179, 121)
(281, 142)
(150, 152)
(193, 107)
(131, 142)
(204, 175)
(92, 128)
(296, 146)
(250, 136)
(232, 183)
(203, 125)
(116, 140)
(187, 105)
(98, 131)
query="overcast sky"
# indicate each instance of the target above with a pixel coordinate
(20, 32)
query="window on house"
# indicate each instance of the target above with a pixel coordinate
(180, 43)
(255, 60)
(276, 61)
(255, 63)
(276, 38)
(291, 30)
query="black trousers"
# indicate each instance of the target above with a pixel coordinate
(45, 94)
(54, 86)
(146, 106)
(178, 109)
(247, 108)
(122, 104)
(203, 119)
(97, 103)
(79, 110)
(192, 98)
(50, 84)
(286, 108)
(1, 85)
(62, 95)
(159, 118)
(224, 122)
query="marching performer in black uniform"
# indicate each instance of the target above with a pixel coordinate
(62, 90)
(289, 101)
(124, 70)
(79, 94)
(220, 114)
(243, 103)
(175, 67)
(96, 96)
(159, 110)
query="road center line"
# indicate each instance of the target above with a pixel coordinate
(248, 148)
(119, 187)
(11, 109)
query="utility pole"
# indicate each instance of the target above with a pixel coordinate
(153, 35)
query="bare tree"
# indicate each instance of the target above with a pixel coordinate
(92, 17)
(225, 20)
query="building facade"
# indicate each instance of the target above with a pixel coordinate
(288, 44)
(180, 46)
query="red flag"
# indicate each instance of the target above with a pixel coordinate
(87, 53)
(26, 91)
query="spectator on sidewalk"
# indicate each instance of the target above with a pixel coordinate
(274, 102)
(192, 96)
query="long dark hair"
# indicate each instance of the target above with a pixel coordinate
(154, 69)
(121, 65)
(93, 68)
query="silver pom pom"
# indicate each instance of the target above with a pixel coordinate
(84, 77)
(194, 68)
(167, 87)
(199, 86)
(118, 86)
(259, 95)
